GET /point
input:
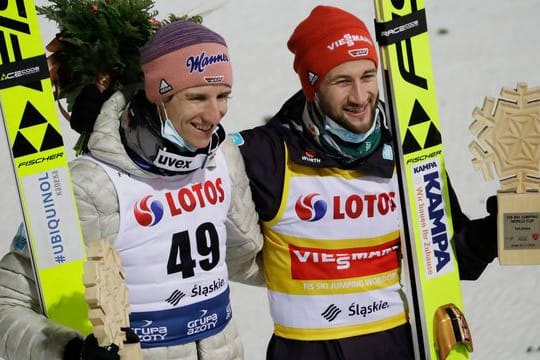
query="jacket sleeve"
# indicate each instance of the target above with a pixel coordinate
(96, 200)
(24, 332)
(244, 236)
(475, 240)
(95, 194)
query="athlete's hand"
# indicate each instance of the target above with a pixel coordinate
(131, 337)
(482, 234)
(492, 206)
(89, 349)
(490, 233)
(92, 351)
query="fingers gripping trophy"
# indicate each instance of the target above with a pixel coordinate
(507, 140)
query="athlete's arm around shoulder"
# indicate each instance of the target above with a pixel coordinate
(244, 237)
(24, 332)
(263, 152)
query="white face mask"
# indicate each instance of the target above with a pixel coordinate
(168, 131)
(347, 135)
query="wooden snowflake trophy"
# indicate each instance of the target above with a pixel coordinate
(508, 139)
(107, 298)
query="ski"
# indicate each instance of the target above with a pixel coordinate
(41, 167)
(430, 275)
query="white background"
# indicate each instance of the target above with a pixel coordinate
(477, 46)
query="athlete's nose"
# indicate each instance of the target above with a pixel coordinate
(358, 93)
(214, 111)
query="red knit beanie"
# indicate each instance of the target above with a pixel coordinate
(327, 38)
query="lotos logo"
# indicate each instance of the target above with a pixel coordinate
(309, 209)
(148, 212)
(346, 206)
(371, 205)
(535, 236)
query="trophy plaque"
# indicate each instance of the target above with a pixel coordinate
(507, 140)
